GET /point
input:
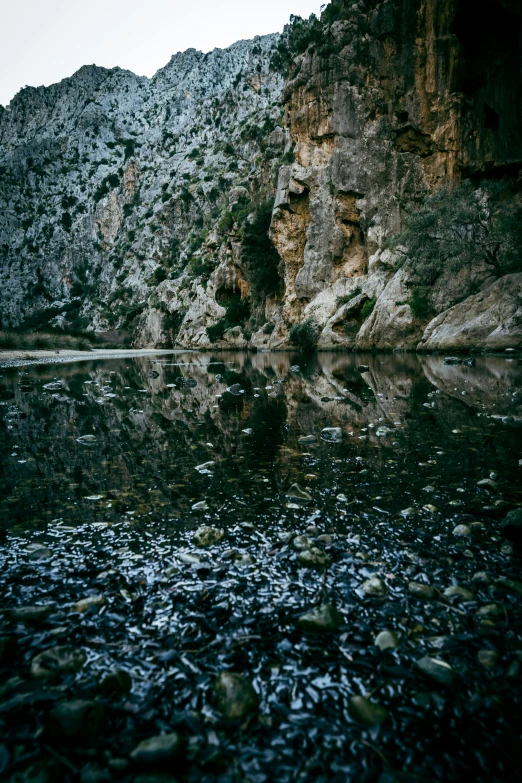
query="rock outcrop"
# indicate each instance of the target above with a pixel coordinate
(491, 319)
(124, 199)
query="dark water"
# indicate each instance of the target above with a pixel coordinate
(152, 432)
(169, 449)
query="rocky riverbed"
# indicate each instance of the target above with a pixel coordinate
(261, 567)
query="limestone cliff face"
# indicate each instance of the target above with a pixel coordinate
(113, 188)
(123, 198)
(409, 95)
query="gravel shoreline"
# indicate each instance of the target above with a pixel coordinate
(22, 358)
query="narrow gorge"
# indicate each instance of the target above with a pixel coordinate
(240, 193)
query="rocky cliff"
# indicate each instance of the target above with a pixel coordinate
(130, 204)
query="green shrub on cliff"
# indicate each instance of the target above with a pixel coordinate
(368, 308)
(259, 255)
(463, 230)
(304, 336)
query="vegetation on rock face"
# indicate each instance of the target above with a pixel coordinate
(304, 336)
(259, 255)
(419, 302)
(368, 308)
(238, 311)
(42, 341)
(463, 230)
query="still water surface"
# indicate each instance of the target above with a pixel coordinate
(108, 468)
(415, 432)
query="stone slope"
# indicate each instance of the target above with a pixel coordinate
(108, 177)
(124, 199)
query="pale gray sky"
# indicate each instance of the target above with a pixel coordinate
(43, 41)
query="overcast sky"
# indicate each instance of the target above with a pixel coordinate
(43, 41)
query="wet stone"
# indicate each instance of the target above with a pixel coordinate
(367, 712)
(86, 440)
(314, 558)
(488, 484)
(362, 368)
(437, 670)
(77, 718)
(235, 696)
(458, 592)
(509, 585)
(511, 527)
(38, 553)
(299, 495)
(300, 543)
(374, 587)
(91, 604)
(462, 531)
(452, 360)
(387, 640)
(117, 682)
(422, 591)
(490, 610)
(207, 535)
(31, 614)
(323, 619)
(156, 751)
(56, 661)
(307, 439)
(487, 658)
(332, 434)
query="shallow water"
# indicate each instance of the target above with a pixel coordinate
(152, 432)
(110, 467)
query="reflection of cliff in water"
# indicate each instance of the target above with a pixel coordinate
(156, 420)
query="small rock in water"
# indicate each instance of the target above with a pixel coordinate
(157, 750)
(367, 712)
(387, 640)
(31, 614)
(314, 558)
(235, 696)
(324, 619)
(511, 527)
(38, 552)
(488, 484)
(462, 530)
(301, 543)
(510, 585)
(452, 360)
(208, 536)
(91, 604)
(419, 590)
(332, 434)
(487, 658)
(437, 670)
(117, 682)
(205, 467)
(374, 587)
(362, 368)
(306, 439)
(153, 374)
(57, 660)
(490, 610)
(299, 495)
(77, 718)
(201, 506)
(86, 440)
(460, 592)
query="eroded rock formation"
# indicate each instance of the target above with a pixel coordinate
(124, 198)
